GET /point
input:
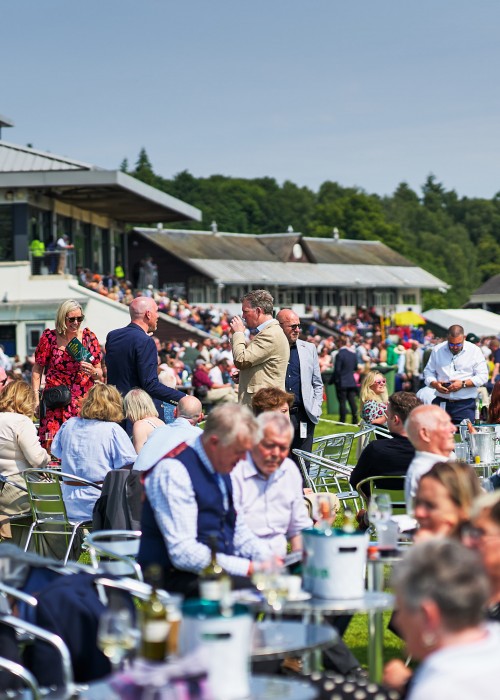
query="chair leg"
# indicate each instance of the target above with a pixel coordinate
(30, 533)
(71, 540)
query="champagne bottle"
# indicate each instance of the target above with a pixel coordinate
(155, 625)
(348, 524)
(214, 583)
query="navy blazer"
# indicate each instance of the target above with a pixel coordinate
(346, 363)
(132, 361)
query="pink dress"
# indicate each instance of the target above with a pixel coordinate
(60, 368)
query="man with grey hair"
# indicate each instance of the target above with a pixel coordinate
(132, 357)
(267, 486)
(188, 413)
(189, 499)
(431, 432)
(263, 362)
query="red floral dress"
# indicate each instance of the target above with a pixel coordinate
(61, 368)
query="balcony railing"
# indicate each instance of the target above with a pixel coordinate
(53, 262)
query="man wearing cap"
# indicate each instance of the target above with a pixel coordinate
(456, 369)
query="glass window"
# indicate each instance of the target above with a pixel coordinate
(6, 230)
(33, 333)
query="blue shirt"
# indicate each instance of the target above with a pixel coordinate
(292, 381)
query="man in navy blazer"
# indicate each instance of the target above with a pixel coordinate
(132, 357)
(303, 379)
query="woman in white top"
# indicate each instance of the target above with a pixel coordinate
(142, 413)
(20, 449)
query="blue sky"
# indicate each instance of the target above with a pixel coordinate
(368, 93)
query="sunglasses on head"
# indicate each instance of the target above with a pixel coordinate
(74, 319)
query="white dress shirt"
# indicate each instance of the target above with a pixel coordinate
(469, 363)
(273, 508)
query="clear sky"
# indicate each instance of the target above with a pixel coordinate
(367, 93)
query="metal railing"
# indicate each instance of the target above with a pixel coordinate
(53, 262)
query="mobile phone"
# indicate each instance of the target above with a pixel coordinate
(446, 384)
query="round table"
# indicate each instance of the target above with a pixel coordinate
(275, 640)
(261, 688)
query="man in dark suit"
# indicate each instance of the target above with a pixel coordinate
(303, 379)
(132, 357)
(346, 364)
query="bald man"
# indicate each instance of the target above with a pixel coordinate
(431, 432)
(132, 358)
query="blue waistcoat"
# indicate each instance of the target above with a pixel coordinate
(212, 519)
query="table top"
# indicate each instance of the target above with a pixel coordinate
(275, 640)
(261, 688)
(371, 601)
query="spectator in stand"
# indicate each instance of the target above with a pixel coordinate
(204, 388)
(325, 360)
(374, 398)
(220, 372)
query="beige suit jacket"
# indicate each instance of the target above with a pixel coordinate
(262, 362)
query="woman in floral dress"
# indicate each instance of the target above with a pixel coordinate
(374, 398)
(52, 358)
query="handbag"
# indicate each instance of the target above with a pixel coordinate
(57, 396)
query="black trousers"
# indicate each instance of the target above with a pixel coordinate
(299, 443)
(347, 395)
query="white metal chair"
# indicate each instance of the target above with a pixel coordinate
(115, 551)
(336, 446)
(394, 486)
(48, 508)
(26, 676)
(321, 474)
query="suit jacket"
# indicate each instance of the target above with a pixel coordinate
(346, 363)
(311, 383)
(262, 362)
(132, 361)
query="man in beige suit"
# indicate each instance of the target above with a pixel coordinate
(263, 362)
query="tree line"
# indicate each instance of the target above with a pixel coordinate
(455, 238)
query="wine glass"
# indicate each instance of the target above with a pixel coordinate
(116, 636)
(379, 508)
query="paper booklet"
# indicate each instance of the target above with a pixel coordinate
(78, 351)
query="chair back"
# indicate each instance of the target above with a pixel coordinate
(321, 474)
(115, 551)
(23, 674)
(336, 446)
(393, 486)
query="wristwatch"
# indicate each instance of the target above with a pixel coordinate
(464, 384)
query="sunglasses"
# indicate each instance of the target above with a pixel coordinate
(74, 319)
(293, 326)
(381, 382)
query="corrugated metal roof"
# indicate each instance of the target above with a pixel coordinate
(206, 245)
(316, 275)
(20, 159)
(347, 251)
(491, 286)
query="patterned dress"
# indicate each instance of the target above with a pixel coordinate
(60, 368)
(372, 410)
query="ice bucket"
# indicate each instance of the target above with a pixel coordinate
(228, 640)
(482, 444)
(334, 563)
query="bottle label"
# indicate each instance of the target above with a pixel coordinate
(155, 631)
(211, 590)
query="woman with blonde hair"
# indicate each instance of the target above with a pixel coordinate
(20, 449)
(67, 380)
(91, 445)
(142, 413)
(374, 398)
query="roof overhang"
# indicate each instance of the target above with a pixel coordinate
(106, 192)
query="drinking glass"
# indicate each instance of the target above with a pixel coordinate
(116, 636)
(380, 508)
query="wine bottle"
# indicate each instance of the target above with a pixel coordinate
(214, 583)
(155, 625)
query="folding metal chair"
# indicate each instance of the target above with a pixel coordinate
(336, 446)
(48, 508)
(379, 484)
(321, 474)
(115, 551)
(26, 676)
